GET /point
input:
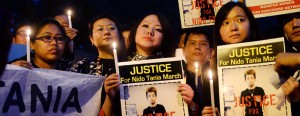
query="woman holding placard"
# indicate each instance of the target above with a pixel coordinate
(235, 23)
(150, 38)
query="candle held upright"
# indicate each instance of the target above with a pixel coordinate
(196, 74)
(212, 98)
(116, 57)
(28, 31)
(69, 19)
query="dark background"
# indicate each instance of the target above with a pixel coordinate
(126, 11)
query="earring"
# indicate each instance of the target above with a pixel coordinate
(92, 44)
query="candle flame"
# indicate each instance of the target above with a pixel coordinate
(69, 12)
(210, 74)
(114, 45)
(196, 65)
(28, 31)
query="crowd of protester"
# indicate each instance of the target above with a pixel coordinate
(151, 37)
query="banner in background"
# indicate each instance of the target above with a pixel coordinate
(48, 92)
(197, 13)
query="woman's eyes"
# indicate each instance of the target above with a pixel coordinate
(159, 30)
(241, 19)
(225, 23)
(144, 25)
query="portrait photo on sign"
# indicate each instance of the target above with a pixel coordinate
(154, 98)
(251, 90)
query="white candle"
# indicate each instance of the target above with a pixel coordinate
(69, 18)
(116, 58)
(196, 74)
(212, 98)
(28, 45)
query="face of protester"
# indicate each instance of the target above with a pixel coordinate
(105, 32)
(236, 27)
(152, 98)
(47, 48)
(292, 30)
(20, 37)
(197, 48)
(250, 80)
(63, 20)
(149, 34)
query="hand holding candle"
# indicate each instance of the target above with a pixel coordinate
(69, 18)
(211, 91)
(196, 74)
(28, 44)
(116, 58)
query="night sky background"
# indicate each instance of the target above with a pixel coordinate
(126, 11)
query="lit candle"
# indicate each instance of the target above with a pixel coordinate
(28, 45)
(196, 74)
(69, 18)
(211, 91)
(116, 58)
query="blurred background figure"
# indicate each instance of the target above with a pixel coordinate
(18, 48)
(125, 32)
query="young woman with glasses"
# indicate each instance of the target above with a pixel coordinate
(48, 44)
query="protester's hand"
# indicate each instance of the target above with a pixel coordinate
(23, 63)
(286, 61)
(186, 92)
(71, 32)
(208, 111)
(111, 85)
(291, 89)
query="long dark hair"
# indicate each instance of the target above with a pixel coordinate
(167, 47)
(221, 16)
(121, 44)
(45, 22)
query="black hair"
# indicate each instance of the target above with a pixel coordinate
(45, 22)
(198, 31)
(17, 25)
(221, 16)
(167, 47)
(121, 43)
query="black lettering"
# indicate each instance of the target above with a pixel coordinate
(69, 103)
(57, 100)
(36, 92)
(2, 83)
(15, 89)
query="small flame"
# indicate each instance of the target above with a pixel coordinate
(69, 12)
(196, 65)
(210, 74)
(28, 31)
(114, 45)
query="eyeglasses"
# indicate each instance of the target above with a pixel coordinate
(48, 39)
(21, 33)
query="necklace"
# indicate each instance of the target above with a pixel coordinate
(153, 111)
(251, 92)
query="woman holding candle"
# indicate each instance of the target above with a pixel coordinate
(48, 44)
(150, 38)
(104, 31)
(235, 23)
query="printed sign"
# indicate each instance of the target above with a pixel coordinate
(248, 83)
(48, 92)
(149, 87)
